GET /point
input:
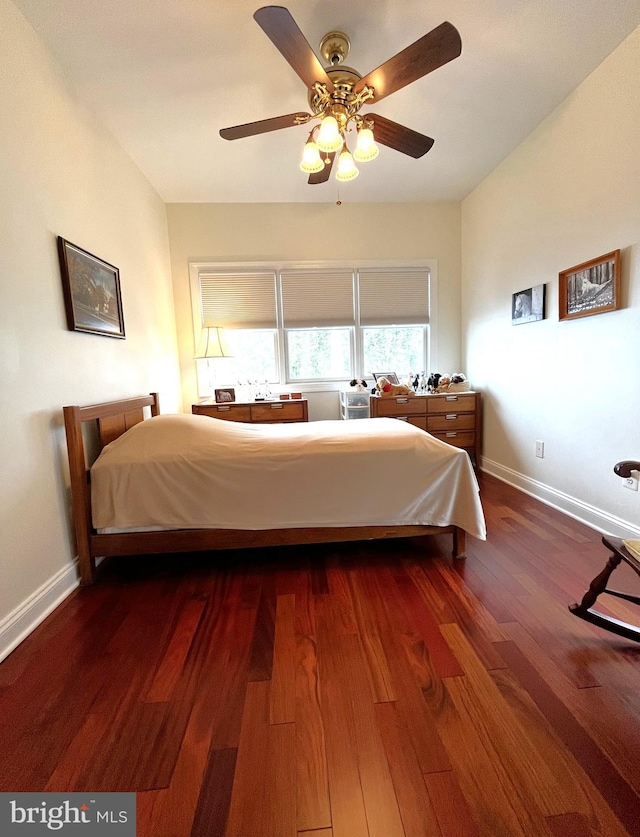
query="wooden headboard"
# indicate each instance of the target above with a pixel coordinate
(113, 419)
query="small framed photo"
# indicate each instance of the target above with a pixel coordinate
(225, 395)
(91, 290)
(590, 288)
(390, 376)
(528, 306)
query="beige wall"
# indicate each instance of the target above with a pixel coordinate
(569, 193)
(273, 232)
(63, 174)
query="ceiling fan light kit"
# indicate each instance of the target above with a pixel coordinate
(337, 93)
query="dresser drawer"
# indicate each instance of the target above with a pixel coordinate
(451, 404)
(451, 421)
(229, 412)
(278, 411)
(400, 406)
(459, 439)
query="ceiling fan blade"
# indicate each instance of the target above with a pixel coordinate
(399, 137)
(263, 126)
(434, 49)
(278, 25)
(323, 176)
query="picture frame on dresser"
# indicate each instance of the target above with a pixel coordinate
(390, 376)
(92, 295)
(224, 395)
(589, 288)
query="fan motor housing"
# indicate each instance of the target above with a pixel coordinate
(344, 80)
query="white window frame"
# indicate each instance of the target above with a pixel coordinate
(357, 358)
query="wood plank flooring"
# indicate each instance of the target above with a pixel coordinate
(360, 690)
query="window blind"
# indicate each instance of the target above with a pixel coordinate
(394, 297)
(239, 300)
(317, 298)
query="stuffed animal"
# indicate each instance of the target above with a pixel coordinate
(459, 383)
(443, 383)
(388, 390)
(359, 384)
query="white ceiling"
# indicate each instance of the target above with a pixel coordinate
(165, 75)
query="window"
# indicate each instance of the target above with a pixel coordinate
(398, 349)
(319, 354)
(318, 325)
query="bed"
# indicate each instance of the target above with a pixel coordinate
(185, 483)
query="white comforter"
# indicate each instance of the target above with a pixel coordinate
(186, 471)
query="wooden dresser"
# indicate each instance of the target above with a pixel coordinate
(455, 418)
(256, 412)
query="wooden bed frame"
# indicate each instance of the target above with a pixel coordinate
(113, 419)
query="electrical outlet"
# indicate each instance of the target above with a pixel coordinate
(539, 449)
(631, 483)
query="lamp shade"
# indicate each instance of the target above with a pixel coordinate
(213, 343)
(366, 149)
(311, 161)
(346, 168)
(329, 137)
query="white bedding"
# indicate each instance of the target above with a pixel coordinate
(186, 471)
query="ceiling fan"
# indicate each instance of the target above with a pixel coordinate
(337, 93)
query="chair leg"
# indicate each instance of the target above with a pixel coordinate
(598, 586)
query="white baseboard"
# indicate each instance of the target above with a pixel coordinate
(597, 519)
(26, 617)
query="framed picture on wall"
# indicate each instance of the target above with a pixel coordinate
(590, 288)
(528, 306)
(91, 290)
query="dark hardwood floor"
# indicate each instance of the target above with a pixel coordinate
(359, 690)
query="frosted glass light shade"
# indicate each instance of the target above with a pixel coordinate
(311, 161)
(329, 138)
(366, 149)
(346, 167)
(213, 343)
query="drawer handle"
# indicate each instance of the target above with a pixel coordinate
(451, 416)
(401, 400)
(402, 418)
(449, 435)
(451, 398)
(276, 406)
(221, 409)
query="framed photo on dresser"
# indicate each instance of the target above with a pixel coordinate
(225, 395)
(390, 376)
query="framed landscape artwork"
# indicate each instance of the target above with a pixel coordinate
(590, 288)
(528, 306)
(91, 289)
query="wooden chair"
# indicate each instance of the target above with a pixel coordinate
(599, 585)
